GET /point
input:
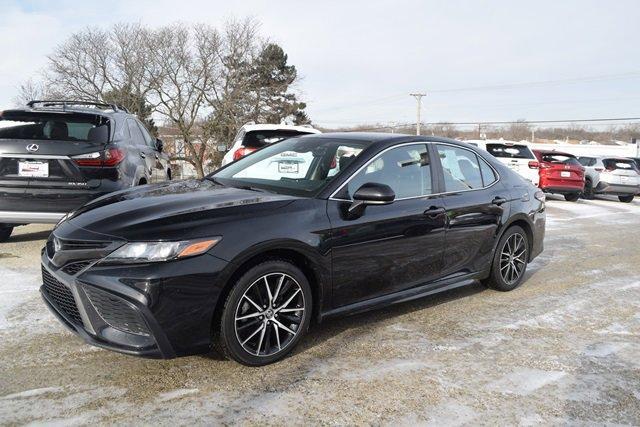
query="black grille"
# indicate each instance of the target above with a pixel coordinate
(61, 296)
(116, 312)
(75, 267)
(73, 245)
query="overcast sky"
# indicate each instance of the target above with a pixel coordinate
(360, 60)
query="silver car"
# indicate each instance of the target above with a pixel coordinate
(610, 175)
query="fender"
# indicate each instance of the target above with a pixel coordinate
(505, 227)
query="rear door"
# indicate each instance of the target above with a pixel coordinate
(476, 204)
(145, 152)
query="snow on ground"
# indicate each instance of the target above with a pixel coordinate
(561, 349)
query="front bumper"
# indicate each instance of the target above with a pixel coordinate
(160, 310)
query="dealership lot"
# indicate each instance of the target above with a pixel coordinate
(561, 348)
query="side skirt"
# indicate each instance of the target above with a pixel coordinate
(432, 288)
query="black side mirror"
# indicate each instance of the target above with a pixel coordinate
(159, 144)
(371, 194)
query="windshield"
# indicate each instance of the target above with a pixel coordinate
(510, 151)
(51, 126)
(296, 166)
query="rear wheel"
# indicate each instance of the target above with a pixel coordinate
(5, 232)
(572, 197)
(266, 314)
(626, 199)
(588, 189)
(509, 261)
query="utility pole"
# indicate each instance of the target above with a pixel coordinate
(418, 97)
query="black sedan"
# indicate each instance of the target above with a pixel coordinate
(299, 231)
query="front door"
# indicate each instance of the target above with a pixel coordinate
(391, 247)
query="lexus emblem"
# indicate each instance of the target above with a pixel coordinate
(32, 148)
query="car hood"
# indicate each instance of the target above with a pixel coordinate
(172, 211)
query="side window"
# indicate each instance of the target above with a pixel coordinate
(460, 168)
(136, 134)
(488, 174)
(145, 135)
(405, 169)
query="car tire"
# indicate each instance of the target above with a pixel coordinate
(572, 197)
(5, 232)
(507, 272)
(588, 189)
(626, 199)
(256, 338)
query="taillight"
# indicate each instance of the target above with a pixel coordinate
(599, 169)
(540, 196)
(534, 165)
(241, 152)
(107, 158)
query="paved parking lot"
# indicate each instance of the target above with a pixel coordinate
(562, 348)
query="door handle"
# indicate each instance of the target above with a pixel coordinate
(498, 200)
(144, 156)
(434, 212)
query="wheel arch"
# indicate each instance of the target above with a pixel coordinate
(523, 222)
(294, 253)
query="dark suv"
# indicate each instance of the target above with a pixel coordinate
(55, 156)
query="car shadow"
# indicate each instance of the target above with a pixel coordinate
(29, 237)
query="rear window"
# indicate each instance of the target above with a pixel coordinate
(587, 161)
(510, 151)
(55, 127)
(624, 164)
(565, 159)
(260, 138)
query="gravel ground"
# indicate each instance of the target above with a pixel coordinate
(561, 349)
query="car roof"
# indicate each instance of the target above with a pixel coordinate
(267, 126)
(562, 153)
(68, 110)
(497, 141)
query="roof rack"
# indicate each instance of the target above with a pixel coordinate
(65, 103)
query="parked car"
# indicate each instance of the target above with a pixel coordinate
(246, 263)
(610, 175)
(55, 156)
(560, 173)
(254, 136)
(516, 155)
(637, 161)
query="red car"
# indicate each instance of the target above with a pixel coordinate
(560, 173)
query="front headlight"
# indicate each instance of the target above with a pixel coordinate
(141, 252)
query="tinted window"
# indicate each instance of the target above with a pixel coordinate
(558, 158)
(614, 164)
(488, 174)
(50, 126)
(460, 168)
(587, 161)
(136, 133)
(145, 135)
(260, 138)
(405, 169)
(510, 151)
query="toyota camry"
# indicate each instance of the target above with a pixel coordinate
(244, 261)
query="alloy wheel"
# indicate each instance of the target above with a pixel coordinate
(269, 314)
(513, 258)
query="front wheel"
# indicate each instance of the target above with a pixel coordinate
(626, 199)
(5, 232)
(266, 314)
(572, 197)
(510, 260)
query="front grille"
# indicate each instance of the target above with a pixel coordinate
(75, 267)
(74, 245)
(116, 312)
(61, 296)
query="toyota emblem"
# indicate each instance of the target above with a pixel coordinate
(32, 148)
(56, 245)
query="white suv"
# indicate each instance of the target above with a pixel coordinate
(517, 155)
(610, 175)
(252, 136)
